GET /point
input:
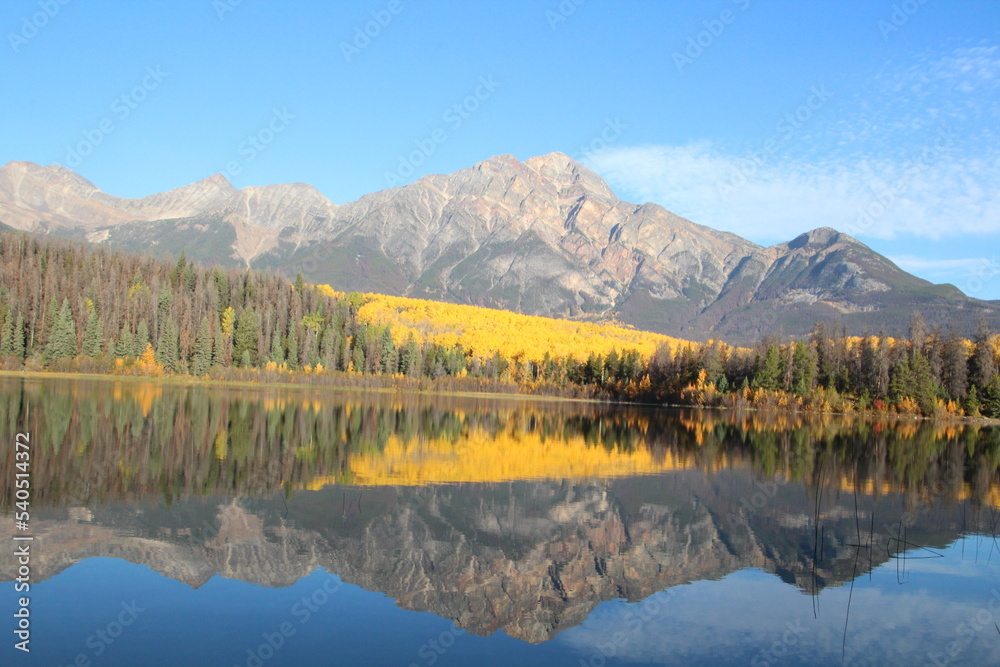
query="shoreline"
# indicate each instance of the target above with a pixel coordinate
(189, 380)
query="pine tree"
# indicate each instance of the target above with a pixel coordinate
(93, 336)
(62, 340)
(201, 360)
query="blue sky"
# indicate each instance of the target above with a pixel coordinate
(764, 118)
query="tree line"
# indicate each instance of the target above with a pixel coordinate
(131, 439)
(73, 307)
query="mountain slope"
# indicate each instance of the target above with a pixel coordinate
(545, 236)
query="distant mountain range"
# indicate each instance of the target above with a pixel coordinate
(545, 236)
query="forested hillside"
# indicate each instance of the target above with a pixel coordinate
(79, 308)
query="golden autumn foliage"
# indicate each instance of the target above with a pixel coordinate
(483, 457)
(485, 331)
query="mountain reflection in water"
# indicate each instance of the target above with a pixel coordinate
(504, 514)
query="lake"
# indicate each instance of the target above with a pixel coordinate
(211, 525)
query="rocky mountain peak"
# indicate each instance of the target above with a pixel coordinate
(570, 174)
(819, 237)
(19, 179)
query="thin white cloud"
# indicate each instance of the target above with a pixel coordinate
(934, 196)
(915, 264)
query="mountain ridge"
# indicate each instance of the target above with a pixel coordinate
(546, 236)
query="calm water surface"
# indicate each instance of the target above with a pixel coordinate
(202, 525)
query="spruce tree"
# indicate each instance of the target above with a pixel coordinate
(804, 365)
(410, 363)
(982, 365)
(991, 398)
(389, 362)
(768, 374)
(219, 348)
(7, 335)
(277, 354)
(972, 404)
(125, 347)
(93, 336)
(293, 349)
(167, 353)
(925, 389)
(201, 360)
(141, 339)
(163, 303)
(901, 383)
(17, 345)
(329, 347)
(245, 338)
(62, 340)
